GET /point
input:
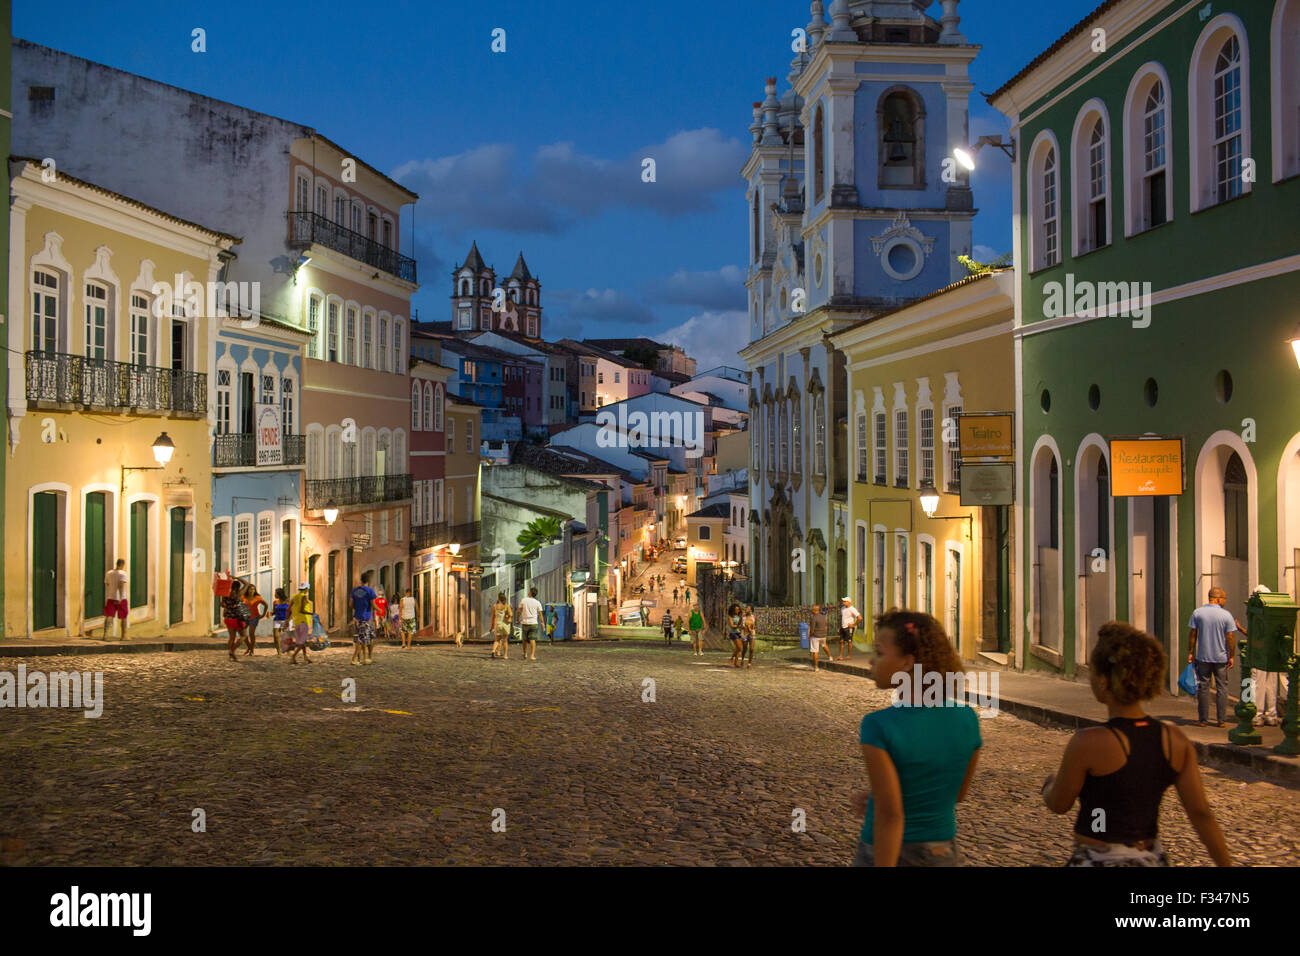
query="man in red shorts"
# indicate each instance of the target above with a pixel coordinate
(116, 604)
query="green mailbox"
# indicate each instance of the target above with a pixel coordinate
(1271, 627)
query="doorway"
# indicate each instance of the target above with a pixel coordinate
(176, 562)
(953, 611)
(45, 560)
(95, 554)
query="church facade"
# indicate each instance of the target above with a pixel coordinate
(477, 305)
(852, 212)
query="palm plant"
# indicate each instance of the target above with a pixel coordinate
(540, 531)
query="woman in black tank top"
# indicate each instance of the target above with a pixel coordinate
(1119, 772)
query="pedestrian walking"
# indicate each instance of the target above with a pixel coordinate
(849, 618)
(280, 616)
(679, 627)
(408, 619)
(667, 624)
(748, 634)
(257, 609)
(364, 608)
(381, 614)
(301, 611)
(1119, 772)
(687, 596)
(920, 757)
(696, 625)
(500, 625)
(818, 627)
(735, 621)
(234, 613)
(1211, 649)
(552, 621)
(674, 595)
(530, 615)
(116, 599)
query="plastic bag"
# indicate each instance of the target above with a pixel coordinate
(265, 627)
(317, 629)
(1187, 679)
(221, 582)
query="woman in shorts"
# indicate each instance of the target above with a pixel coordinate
(748, 629)
(735, 622)
(234, 613)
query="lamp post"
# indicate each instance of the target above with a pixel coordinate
(966, 157)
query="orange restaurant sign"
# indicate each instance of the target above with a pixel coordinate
(1140, 467)
(986, 435)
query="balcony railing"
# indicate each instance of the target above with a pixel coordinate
(236, 450)
(308, 227)
(430, 535)
(367, 489)
(467, 532)
(100, 383)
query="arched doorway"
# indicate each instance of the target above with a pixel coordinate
(1045, 542)
(1226, 514)
(1094, 516)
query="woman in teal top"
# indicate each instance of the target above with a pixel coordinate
(920, 753)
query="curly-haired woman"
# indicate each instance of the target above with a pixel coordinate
(920, 759)
(735, 626)
(1119, 772)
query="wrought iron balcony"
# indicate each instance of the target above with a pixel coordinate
(237, 450)
(308, 227)
(466, 533)
(63, 379)
(368, 489)
(430, 535)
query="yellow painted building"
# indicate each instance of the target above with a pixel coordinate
(911, 373)
(102, 363)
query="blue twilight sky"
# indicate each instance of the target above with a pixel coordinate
(539, 148)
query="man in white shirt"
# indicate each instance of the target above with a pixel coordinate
(529, 613)
(849, 618)
(116, 598)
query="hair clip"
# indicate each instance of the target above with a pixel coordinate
(910, 627)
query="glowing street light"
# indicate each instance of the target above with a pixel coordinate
(929, 499)
(331, 512)
(163, 449)
(966, 157)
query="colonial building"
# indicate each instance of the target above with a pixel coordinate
(1152, 302)
(912, 373)
(430, 531)
(108, 409)
(461, 510)
(476, 307)
(851, 212)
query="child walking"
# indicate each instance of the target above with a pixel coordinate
(280, 615)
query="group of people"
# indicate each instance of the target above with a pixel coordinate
(293, 619)
(531, 615)
(819, 629)
(675, 628)
(921, 759)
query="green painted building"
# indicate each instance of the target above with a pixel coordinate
(7, 367)
(1157, 252)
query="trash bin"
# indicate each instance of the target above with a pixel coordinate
(803, 635)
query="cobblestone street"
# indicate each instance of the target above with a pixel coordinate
(586, 772)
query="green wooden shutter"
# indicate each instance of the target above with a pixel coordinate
(45, 560)
(95, 558)
(176, 595)
(139, 553)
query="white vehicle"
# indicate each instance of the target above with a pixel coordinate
(680, 543)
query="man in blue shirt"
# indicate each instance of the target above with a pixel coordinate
(1212, 652)
(363, 612)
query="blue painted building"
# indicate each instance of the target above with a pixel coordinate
(256, 381)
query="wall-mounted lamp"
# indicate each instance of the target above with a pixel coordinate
(454, 548)
(966, 157)
(163, 449)
(331, 512)
(930, 504)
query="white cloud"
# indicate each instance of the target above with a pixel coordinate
(711, 338)
(720, 290)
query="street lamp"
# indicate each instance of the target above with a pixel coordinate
(163, 449)
(966, 157)
(929, 499)
(454, 548)
(1295, 344)
(331, 512)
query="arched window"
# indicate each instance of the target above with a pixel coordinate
(399, 340)
(367, 340)
(771, 437)
(313, 326)
(417, 399)
(399, 453)
(98, 338)
(819, 154)
(819, 433)
(350, 336)
(464, 286)
(1219, 108)
(315, 465)
(333, 454)
(757, 228)
(1091, 179)
(1148, 192)
(900, 125)
(1285, 74)
(46, 322)
(783, 462)
(428, 407)
(437, 407)
(796, 437)
(1044, 204)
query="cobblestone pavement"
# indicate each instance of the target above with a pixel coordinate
(585, 770)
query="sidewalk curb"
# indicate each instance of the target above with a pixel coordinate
(1283, 771)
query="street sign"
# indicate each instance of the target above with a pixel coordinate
(360, 539)
(986, 435)
(1145, 466)
(988, 483)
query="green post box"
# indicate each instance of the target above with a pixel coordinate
(1269, 645)
(1271, 627)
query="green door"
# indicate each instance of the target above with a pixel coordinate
(218, 549)
(139, 553)
(45, 560)
(176, 556)
(286, 553)
(95, 558)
